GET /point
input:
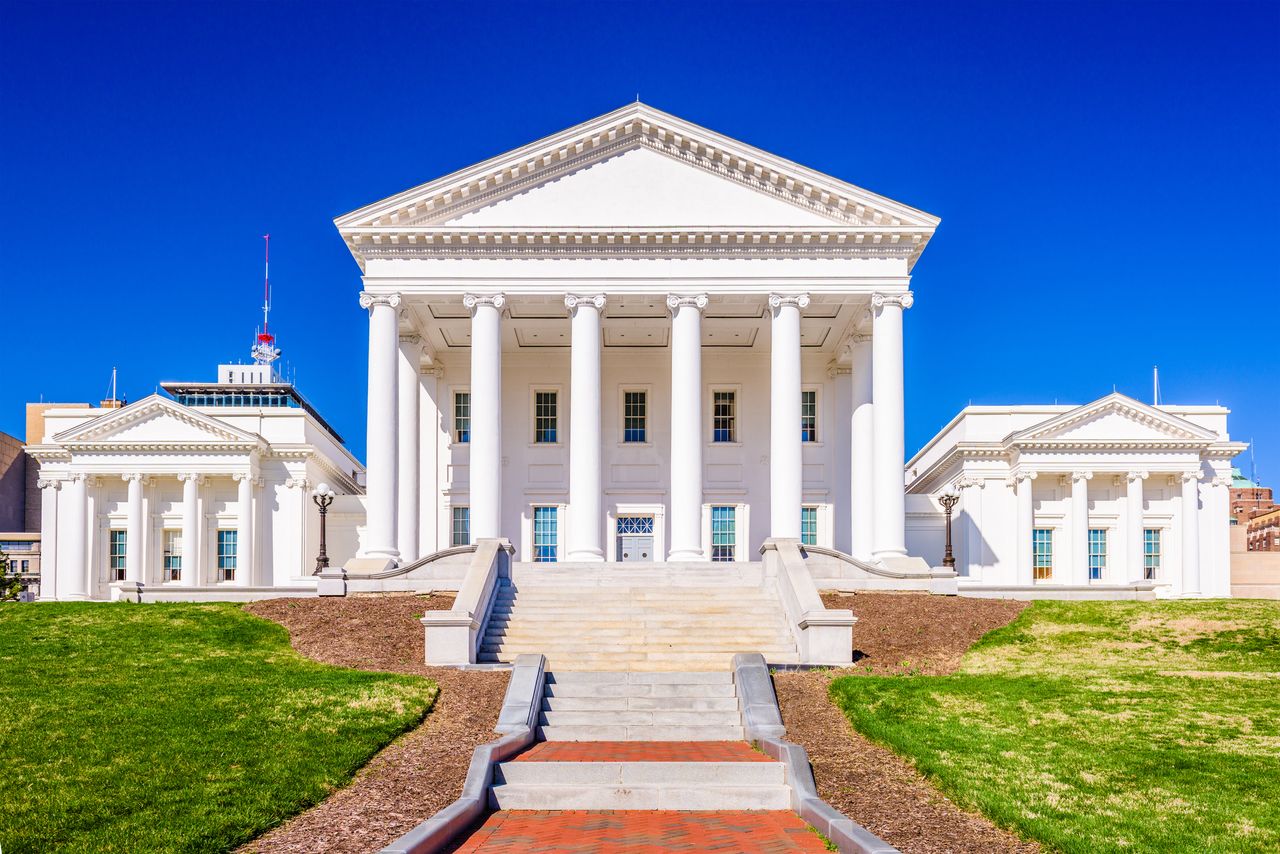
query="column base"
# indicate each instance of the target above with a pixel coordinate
(585, 556)
(687, 556)
(125, 590)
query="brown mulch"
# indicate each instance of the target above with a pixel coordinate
(895, 633)
(419, 773)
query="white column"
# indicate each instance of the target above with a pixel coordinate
(73, 569)
(687, 433)
(1134, 527)
(863, 456)
(586, 525)
(433, 437)
(1022, 484)
(970, 518)
(382, 451)
(244, 528)
(486, 414)
(888, 418)
(785, 446)
(1191, 534)
(190, 529)
(49, 588)
(135, 530)
(1080, 527)
(409, 439)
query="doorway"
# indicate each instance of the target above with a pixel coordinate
(635, 539)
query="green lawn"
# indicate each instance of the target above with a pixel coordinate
(1102, 726)
(174, 727)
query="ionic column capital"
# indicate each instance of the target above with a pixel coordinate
(1137, 475)
(966, 482)
(573, 302)
(244, 475)
(475, 301)
(48, 483)
(1190, 476)
(678, 301)
(904, 300)
(143, 480)
(1077, 476)
(777, 301)
(368, 300)
(1018, 477)
(185, 476)
(298, 483)
(413, 339)
(1222, 480)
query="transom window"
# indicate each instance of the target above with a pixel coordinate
(1042, 554)
(545, 534)
(544, 417)
(462, 416)
(172, 555)
(724, 534)
(228, 546)
(117, 555)
(809, 526)
(635, 416)
(461, 527)
(724, 416)
(1097, 553)
(809, 416)
(1150, 553)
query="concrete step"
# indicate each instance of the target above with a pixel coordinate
(616, 704)
(639, 732)
(640, 773)
(635, 717)
(511, 796)
(635, 690)
(649, 648)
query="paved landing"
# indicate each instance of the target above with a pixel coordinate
(639, 831)
(642, 751)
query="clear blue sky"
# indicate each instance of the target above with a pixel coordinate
(1108, 175)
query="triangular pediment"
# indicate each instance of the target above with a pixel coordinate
(636, 167)
(155, 420)
(1115, 418)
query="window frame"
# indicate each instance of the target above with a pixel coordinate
(117, 558)
(731, 547)
(623, 391)
(735, 436)
(557, 432)
(227, 560)
(1036, 565)
(171, 554)
(453, 524)
(816, 391)
(553, 553)
(454, 393)
(813, 509)
(1152, 571)
(1097, 554)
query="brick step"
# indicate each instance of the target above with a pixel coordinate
(511, 796)
(617, 704)
(639, 732)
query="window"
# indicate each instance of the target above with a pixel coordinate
(544, 534)
(809, 416)
(1151, 554)
(635, 415)
(724, 420)
(462, 416)
(1097, 553)
(117, 551)
(809, 526)
(1042, 554)
(724, 537)
(227, 549)
(461, 527)
(544, 417)
(172, 555)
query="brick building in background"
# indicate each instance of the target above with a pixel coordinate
(1247, 498)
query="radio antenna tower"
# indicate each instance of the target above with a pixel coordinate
(264, 350)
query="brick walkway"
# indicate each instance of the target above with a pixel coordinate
(642, 751)
(633, 832)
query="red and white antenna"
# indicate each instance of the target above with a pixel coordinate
(264, 349)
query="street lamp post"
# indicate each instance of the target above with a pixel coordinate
(948, 499)
(323, 497)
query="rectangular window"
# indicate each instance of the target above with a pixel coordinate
(635, 415)
(1042, 554)
(809, 416)
(724, 418)
(1097, 553)
(724, 535)
(809, 526)
(461, 527)
(227, 554)
(544, 417)
(172, 555)
(1151, 554)
(117, 551)
(545, 534)
(462, 416)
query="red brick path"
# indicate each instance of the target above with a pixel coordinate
(643, 751)
(633, 832)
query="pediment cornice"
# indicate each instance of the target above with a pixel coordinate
(1174, 432)
(96, 434)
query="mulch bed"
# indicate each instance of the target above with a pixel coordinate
(895, 633)
(419, 773)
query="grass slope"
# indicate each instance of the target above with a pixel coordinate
(175, 727)
(1102, 726)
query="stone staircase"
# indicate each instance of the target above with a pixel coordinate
(639, 706)
(637, 617)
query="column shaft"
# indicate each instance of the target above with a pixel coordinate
(190, 530)
(486, 415)
(888, 416)
(382, 452)
(585, 540)
(687, 434)
(135, 530)
(863, 456)
(1026, 523)
(244, 528)
(1134, 527)
(785, 446)
(1191, 534)
(1079, 573)
(73, 570)
(409, 438)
